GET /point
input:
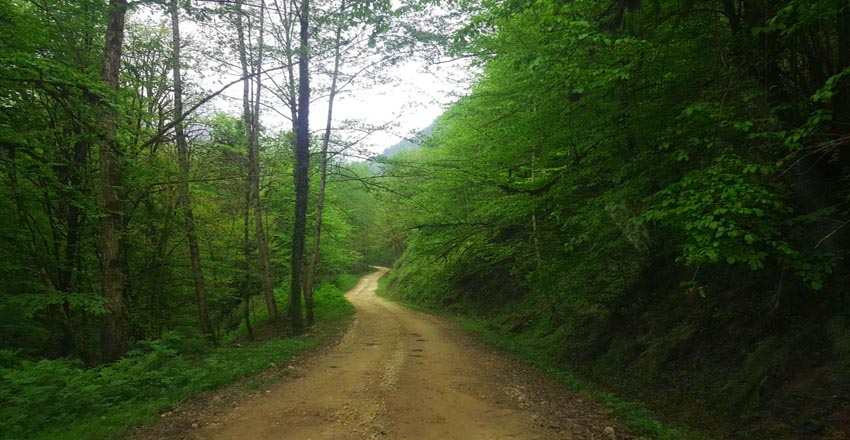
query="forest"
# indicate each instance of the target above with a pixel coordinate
(648, 198)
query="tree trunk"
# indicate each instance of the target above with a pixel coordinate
(71, 174)
(291, 102)
(842, 98)
(246, 285)
(114, 339)
(246, 314)
(314, 255)
(252, 131)
(183, 187)
(302, 168)
(254, 144)
(536, 239)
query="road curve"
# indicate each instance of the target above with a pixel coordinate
(402, 374)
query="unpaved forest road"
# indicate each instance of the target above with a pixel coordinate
(402, 374)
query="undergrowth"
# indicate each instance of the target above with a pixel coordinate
(61, 399)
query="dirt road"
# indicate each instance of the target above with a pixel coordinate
(402, 374)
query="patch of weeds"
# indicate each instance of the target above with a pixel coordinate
(346, 281)
(61, 399)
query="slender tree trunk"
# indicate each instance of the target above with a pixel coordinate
(252, 131)
(732, 15)
(314, 255)
(534, 234)
(162, 250)
(114, 339)
(292, 102)
(246, 286)
(302, 168)
(843, 31)
(72, 175)
(536, 238)
(183, 187)
(842, 104)
(254, 144)
(246, 314)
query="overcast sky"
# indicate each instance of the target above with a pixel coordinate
(419, 96)
(411, 98)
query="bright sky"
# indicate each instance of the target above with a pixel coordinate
(413, 96)
(419, 96)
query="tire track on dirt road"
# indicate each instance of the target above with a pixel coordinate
(402, 374)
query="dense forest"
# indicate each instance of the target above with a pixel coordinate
(653, 194)
(650, 194)
(149, 216)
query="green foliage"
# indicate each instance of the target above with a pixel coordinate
(51, 100)
(639, 188)
(654, 193)
(64, 399)
(762, 366)
(346, 281)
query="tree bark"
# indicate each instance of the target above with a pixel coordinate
(254, 144)
(114, 338)
(184, 196)
(842, 98)
(302, 167)
(314, 255)
(71, 174)
(252, 131)
(246, 285)
(290, 79)
(536, 239)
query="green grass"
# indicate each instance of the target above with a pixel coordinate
(347, 281)
(382, 291)
(260, 315)
(60, 399)
(637, 417)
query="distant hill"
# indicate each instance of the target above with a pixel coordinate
(410, 143)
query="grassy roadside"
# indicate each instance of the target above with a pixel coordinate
(59, 399)
(638, 418)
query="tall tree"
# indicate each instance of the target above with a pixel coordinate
(183, 186)
(288, 92)
(323, 175)
(254, 164)
(302, 168)
(251, 111)
(114, 336)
